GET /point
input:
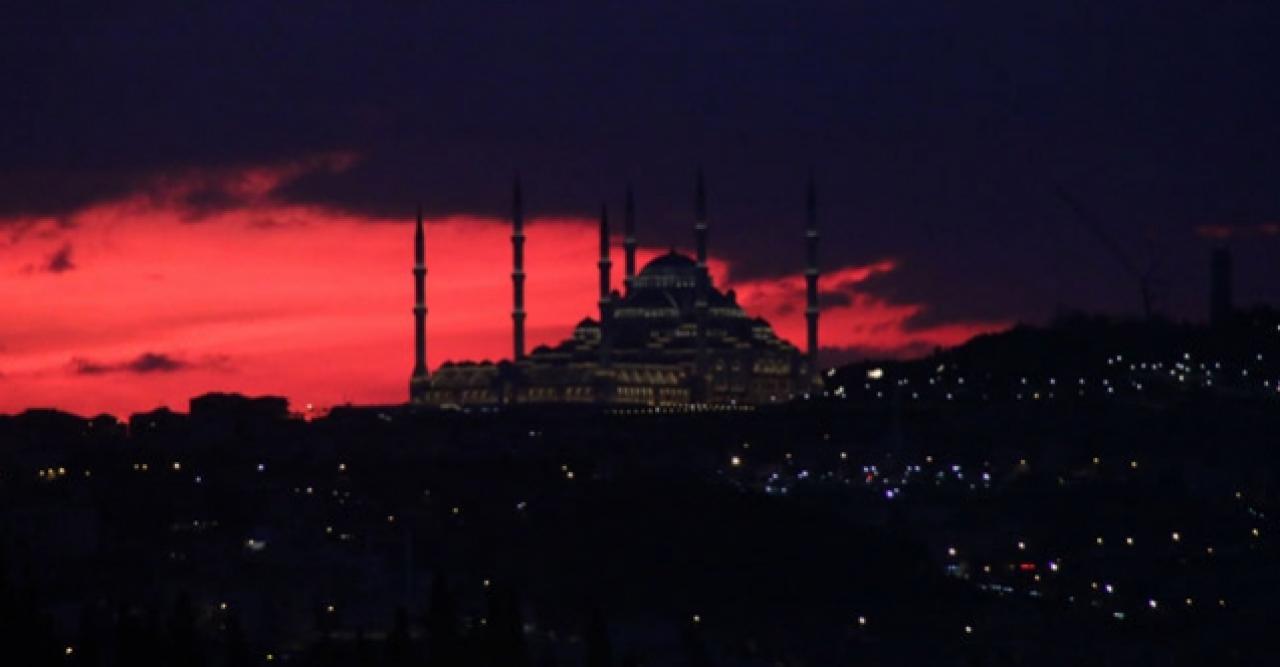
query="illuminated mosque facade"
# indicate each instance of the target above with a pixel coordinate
(671, 339)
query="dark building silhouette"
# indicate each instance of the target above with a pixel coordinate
(213, 416)
(672, 338)
(218, 406)
(161, 421)
(1220, 299)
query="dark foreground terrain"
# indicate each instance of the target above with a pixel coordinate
(975, 508)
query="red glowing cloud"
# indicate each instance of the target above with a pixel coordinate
(151, 299)
(1224, 232)
(853, 322)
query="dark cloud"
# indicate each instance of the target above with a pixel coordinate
(60, 260)
(86, 367)
(19, 229)
(143, 364)
(210, 199)
(835, 298)
(938, 131)
(150, 362)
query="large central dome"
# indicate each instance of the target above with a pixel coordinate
(667, 271)
(667, 289)
(672, 261)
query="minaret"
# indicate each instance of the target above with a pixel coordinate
(606, 266)
(629, 240)
(417, 382)
(703, 277)
(517, 272)
(811, 274)
(700, 220)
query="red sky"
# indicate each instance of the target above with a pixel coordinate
(143, 301)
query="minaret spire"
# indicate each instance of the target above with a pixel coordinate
(517, 272)
(629, 239)
(606, 305)
(418, 381)
(811, 310)
(703, 283)
(700, 219)
(605, 264)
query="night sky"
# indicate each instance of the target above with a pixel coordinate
(216, 195)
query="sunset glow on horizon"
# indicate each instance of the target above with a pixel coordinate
(145, 301)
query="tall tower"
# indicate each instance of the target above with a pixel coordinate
(418, 381)
(629, 239)
(703, 276)
(1220, 306)
(517, 272)
(700, 219)
(811, 274)
(606, 266)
